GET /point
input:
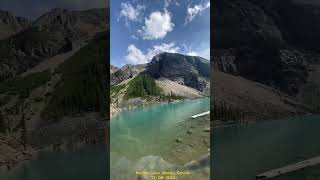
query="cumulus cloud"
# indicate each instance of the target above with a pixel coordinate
(131, 13)
(157, 25)
(195, 10)
(136, 56)
(205, 53)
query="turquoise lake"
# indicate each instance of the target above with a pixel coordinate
(239, 152)
(242, 152)
(140, 133)
(86, 163)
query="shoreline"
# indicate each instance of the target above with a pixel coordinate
(116, 111)
(34, 154)
(259, 121)
(50, 138)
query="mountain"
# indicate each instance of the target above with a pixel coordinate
(125, 72)
(191, 71)
(272, 43)
(58, 31)
(167, 77)
(113, 69)
(53, 82)
(11, 25)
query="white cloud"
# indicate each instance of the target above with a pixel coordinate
(131, 13)
(136, 56)
(205, 53)
(171, 48)
(195, 10)
(157, 25)
(192, 53)
(168, 2)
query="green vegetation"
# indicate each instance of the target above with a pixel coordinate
(23, 85)
(171, 97)
(117, 88)
(83, 83)
(145, 86)
(141, 86)
(175, 96)
(225, 112)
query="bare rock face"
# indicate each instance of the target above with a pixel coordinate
(55, 32)
(125, 72)
(281, 69)
(242, 23)
(113, 69)
(11, 25)
(264, 40)
(191, 71)
(298, 20)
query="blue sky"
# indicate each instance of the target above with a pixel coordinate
(141, 29)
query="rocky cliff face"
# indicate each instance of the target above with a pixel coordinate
(190, 71)
(113, 69)
(243, 23)
(187, 70)
(125, 72)
(10, 25)
(264, 41)
(271, 43)
(55, 32)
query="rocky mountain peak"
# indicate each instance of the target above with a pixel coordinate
(55, 32)
(57, 18)
(10, 24)
(191, 71)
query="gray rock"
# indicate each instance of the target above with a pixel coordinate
(55, 32)
(191, 71)
(11, 25)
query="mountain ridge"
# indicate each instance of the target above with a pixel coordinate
(55, 32)
(269, 43)
(168, 77)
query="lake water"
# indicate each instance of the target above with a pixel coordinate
(143, 135)
(86, 163)
(242, 152)
(139, 137)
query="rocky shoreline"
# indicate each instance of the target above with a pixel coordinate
(67, 135)
(13, 153)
